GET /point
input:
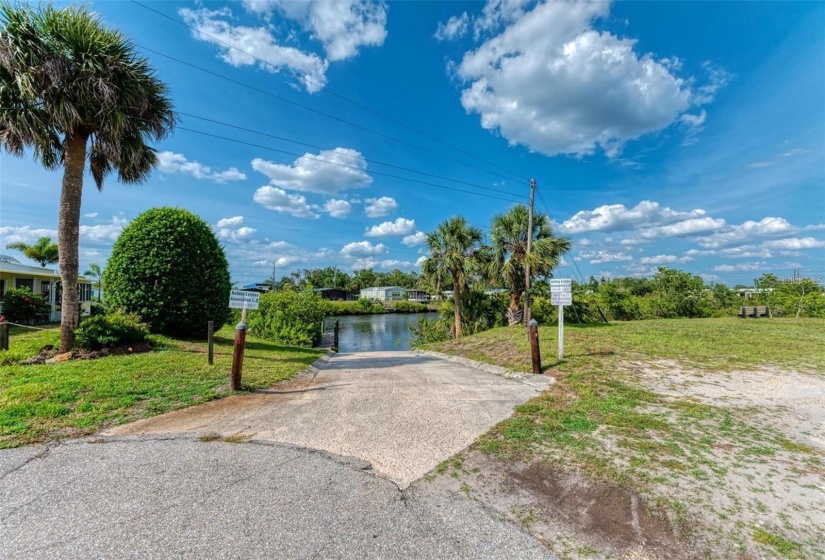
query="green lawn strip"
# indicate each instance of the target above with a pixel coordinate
(44, 402)
(599, 418)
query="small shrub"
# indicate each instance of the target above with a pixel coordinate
(409, 307)
(96, 309)
(22, 306)
(428, 331)
(289, 317)
(106, 331)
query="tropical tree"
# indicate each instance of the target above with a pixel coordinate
(455, 252)
(44, 251)
(97, 273)
(508, 236)
(74, 90)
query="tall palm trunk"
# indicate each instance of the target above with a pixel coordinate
(456, 307)
(68, 232)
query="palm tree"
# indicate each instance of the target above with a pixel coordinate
(508, 235)
(73, 90)
(97, 273)
(454, 252)
(44, 251)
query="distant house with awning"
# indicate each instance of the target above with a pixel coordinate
(385, 293)
(44, 281)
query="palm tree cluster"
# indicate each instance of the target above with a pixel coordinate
(459, 254)
(74, 91)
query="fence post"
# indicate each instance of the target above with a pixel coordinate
(335, 336)
(4, 336)
(237, 354)
(210, 332)
(535, 353)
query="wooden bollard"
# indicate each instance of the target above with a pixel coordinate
(210, 337)
(335, 336)
(237, 356)
(535, 353)
(4, 336)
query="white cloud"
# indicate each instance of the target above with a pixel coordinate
(779, 158)
(91, 215)
(742, 266)
(617, 217)
(795, 243)
(388, 264)
(378, 207)
(342, 26)
(103, 233)
(337, 208)
(170, 162)
(665, 259)
(258, 44)
(601, 257)
(329, 172)
(400, 227)
(455, 28)
(551, 82)
(691, 226)
(273, 198)
(421, 260)
(746, 232)
(24, 234)
(416, 238)
(362, 249)
(227, 229)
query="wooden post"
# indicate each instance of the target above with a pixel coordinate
(335, 337)
(4, 336)
(210, 332)
(535, 353)
(237, 354)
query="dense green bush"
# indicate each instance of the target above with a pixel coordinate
(289, 317)
(409, 307)
(428, 331)
(168, 267)
(97, 308)
(362, 306)
(106, 331)
(22, 306)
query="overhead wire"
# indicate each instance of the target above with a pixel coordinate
(402, 178)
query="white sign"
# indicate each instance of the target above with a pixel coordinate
(241, 299)
(561, 294)
(560, 289)
(560, 282)
(565, 298)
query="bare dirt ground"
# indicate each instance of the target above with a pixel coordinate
(748, 481)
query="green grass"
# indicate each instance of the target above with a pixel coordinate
(52, 401)
(602, 419)
(711, 343)
(786, 548)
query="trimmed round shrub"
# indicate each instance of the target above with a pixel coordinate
(107, 331)
(168, 267)
(20, 305)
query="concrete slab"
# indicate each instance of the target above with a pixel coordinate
(404, 412)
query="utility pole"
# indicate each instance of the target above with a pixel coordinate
(527, 261)
(274, 264)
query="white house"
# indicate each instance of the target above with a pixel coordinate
(419, 296)
(385, 293)
(41, 281)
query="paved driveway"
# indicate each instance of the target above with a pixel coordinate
(403, 412)
(164, 498)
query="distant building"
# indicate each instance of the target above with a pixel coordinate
(257, 287)
(41, 280)
(385, 293)
(420, 296)
(337, 294)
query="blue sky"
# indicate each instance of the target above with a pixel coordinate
(685, 134)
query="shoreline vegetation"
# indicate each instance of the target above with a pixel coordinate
(367, 307)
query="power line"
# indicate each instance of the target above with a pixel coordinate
(342, 164)
(549, 215)
(306, 107)
(377, 162)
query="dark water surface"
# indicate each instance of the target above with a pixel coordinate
(365, 333)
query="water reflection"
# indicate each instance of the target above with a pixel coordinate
(365, 333)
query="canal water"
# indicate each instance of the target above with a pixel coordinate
(370, 333)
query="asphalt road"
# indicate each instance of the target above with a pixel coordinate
(178, 497)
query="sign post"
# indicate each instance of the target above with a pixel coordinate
(561, 294)
(243, 300)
